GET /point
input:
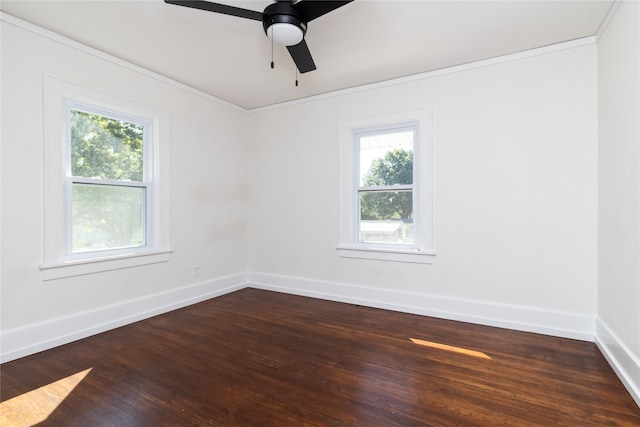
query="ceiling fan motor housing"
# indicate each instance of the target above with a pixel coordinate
(283, 13)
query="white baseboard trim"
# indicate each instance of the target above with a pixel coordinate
(621, 359)
(547, 322)
(31, 339)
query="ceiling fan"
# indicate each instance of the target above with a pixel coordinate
(284, 22)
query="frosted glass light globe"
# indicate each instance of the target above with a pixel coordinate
(285, 34)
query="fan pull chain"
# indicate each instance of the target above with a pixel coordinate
(296, 67)
(272, 65)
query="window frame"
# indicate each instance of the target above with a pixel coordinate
(358, 188)
(350, 246)
(58, 259)
(70, 179)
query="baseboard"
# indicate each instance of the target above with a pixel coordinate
(31, 339)
(621, 359)
(547, 322)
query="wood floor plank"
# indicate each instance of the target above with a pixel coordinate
(258, 358)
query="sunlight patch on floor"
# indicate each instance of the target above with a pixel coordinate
(450, 348)
(35, 406)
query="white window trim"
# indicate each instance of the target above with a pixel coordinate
(57, 263)
(349, 247)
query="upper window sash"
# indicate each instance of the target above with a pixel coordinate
(146, 123)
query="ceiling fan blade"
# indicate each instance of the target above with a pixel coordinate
(218, 8)
(312, 9)
(302, 57)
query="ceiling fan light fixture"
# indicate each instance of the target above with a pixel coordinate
(283, 21)
(285, 33)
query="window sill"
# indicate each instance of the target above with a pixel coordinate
(397, 255)
(61, 270)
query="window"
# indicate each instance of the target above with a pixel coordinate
(106, 187)
(108, 180)
(386, 188)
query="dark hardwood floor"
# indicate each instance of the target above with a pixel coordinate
(258, 358)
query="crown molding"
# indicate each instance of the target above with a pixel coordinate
(607, 19)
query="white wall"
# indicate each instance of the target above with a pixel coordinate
(515, 185)
(619, 193)
(208, 198)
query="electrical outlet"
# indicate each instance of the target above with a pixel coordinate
(196, 270)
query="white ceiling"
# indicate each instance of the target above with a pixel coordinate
(364, 42)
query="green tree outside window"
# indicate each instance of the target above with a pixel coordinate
(395, 168)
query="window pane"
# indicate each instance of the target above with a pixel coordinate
(106, 148)
(386, 158)
(107, 217)
(386, 217)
